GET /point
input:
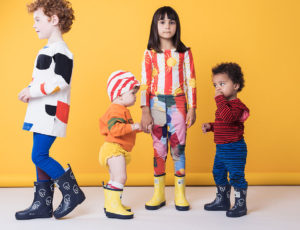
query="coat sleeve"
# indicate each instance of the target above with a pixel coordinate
(60, 79)
(146, 79)
(117, 124)
(190, 79)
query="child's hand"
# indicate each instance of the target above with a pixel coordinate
(218, 92)
(136, 126)
(205, 127)
(24, 95)
(150, 127)
(190, 117)
(147, 120)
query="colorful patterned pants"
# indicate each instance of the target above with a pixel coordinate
(169, 116)
(231, 158)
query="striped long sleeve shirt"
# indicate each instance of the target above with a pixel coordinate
(168, 73)
(229, 122)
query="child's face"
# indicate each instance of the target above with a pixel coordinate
(42, 24)
(166, 28)
(129, 98)
(225, 86)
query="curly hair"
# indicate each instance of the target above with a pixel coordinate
(61, 8)
(233, 71)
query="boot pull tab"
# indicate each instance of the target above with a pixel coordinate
(237, 194)
(103, 185)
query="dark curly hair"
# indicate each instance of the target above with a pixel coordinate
(61, 8)
(233, 71)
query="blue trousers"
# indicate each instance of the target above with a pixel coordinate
(40, 157)
(231, 158)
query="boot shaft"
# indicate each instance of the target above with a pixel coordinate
(179, 185)
(72, 195)
(67, 183)
(223, 191)
(159, 184)
(240, 195)
(113, 205)
(43, 193)
(181, 204)
(41, 206)
(222, 200)
(240, 207)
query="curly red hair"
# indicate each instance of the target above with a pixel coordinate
(61, 8)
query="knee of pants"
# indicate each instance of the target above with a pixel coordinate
(180, 172)
(159, 165)
(36, 158)
(217, 172)
(237, 179)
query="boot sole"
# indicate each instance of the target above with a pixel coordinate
(118, 216)
(32, 217)
(128, 210)
(69, 210)
(182, 208)
(155, 207)
(217, 209)
(239, 214)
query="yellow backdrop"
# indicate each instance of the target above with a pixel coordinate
(262, 36)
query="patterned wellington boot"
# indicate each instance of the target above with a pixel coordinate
(158, 200)
(222, 201)
(71, 193)
(181, 203)
(240, 207)
(105, 201)
(113, 206)
(41, 206)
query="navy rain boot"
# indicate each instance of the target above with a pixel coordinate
(240, 207)
(71, 193)
(41, 206)
(222, 201)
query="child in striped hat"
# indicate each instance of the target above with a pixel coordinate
(120, 131)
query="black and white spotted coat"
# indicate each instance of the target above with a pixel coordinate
(48, 109)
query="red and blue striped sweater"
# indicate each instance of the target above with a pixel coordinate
(229, 122)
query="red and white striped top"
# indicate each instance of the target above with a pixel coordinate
(168, 73)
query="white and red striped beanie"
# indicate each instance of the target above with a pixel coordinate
(120, 82)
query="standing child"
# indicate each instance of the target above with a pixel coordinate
(168, 87)
(231, 148)
(48, 98)
(120, 131)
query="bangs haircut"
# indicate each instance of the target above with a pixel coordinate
(154, 42)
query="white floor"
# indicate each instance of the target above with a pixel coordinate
(269, 207)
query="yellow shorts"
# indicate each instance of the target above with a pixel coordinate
(109, 150)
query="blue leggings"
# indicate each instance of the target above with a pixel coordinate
(45, 165)
(231, 158)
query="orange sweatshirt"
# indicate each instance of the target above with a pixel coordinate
(115, 124)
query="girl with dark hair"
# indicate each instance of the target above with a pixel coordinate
(168, 101)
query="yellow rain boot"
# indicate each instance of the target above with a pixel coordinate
(158, 200)
(112, 204)
(105, 201)
(181, 203)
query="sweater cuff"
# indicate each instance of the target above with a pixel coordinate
(211, 127)
(35, 91)
(128, 128)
